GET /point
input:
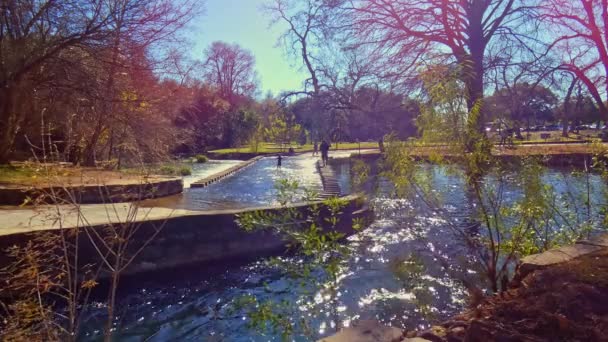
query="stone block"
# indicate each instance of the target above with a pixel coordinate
(601, 241)
(556, 256)
(367, 331)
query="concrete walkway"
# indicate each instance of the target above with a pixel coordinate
(16, 221)
(20, 220)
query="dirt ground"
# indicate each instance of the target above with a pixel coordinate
(567, 302)
(17, 176)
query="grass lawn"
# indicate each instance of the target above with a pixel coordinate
(268, 148)
(29, 174)
(554, 136)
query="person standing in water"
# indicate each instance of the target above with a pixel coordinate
(325, 152)
(279, 161)
(315, 149)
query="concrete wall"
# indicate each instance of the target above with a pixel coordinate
(87, 194)
(211, 236)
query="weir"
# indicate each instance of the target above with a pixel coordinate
(193, 231)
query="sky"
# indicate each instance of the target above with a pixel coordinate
(242, 22)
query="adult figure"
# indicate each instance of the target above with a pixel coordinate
(506, 137)
(325, 152)
(381, 144)
(315, 149)
(279, 161)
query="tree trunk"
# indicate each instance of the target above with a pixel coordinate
(567, 108)
(89, 150)
(10, 121)
(473, 68)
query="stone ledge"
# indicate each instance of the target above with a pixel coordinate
(93, 194)
(601, 241)
(189, 237)
(369, 331)
(555, 256)
(223, 174)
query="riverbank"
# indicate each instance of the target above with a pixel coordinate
(550, 154)
(244, 153)
(559, 295)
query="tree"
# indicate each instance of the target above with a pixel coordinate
(35, 34)
(579, 32)
(282, 128)
(29, 37)
(305, 21)
(412, 34)
(239, 127)
(202, 121)
(522, 103)
(230, 69)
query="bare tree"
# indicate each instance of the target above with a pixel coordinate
(36, 33)
(306, 25)
(579, 29)
(413, 34)
(230, 68)
(32, 32)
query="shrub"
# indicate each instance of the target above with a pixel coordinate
(167, 170)
(185, 171)
(201, 158)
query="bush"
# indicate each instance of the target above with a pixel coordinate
(169, 170)
(201, 158)
(185, 171)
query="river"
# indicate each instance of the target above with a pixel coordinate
(405, 270)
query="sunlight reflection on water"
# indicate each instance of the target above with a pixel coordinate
(375, 284)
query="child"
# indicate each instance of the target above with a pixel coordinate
(279, 160)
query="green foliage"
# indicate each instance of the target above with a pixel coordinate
(522, 104)
(168, 170)
(174, 170)
(360, 173)
(443, 113)
(282, 128)
(535, 221)
(312, 233)
(185, 171)
(240, 127)
(201, 158)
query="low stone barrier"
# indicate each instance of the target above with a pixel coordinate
(193, 238)
(560, 255)
(223, 174)
(88, 194)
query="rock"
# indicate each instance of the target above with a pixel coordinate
(428, 335)
(478, 332)
(555, 256)
(457, 334)
(415, 339)
(411, 333)
(601, 241)
(367, 331)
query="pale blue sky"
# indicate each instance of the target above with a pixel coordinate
(242, 22)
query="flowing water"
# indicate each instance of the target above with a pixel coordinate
(197, 305)
(252, 186)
